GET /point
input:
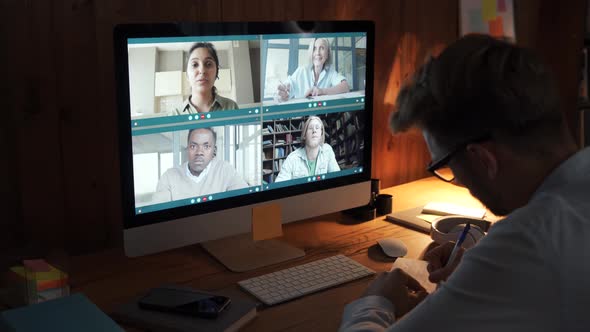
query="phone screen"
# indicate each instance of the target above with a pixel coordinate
(185, 302)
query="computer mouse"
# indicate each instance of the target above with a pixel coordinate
(393, 247)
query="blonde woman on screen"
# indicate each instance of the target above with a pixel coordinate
(316, 79)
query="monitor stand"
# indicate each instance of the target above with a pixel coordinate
(240, 253)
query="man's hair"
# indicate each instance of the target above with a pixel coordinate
(328, 49)
(188, 137)
(306, 127)
(480, 85)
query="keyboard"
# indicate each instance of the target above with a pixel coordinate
(294, 282)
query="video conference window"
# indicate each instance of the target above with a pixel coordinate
(171, 166)
(177, 82)
(176, 78)
(306, 68)
(312, 146)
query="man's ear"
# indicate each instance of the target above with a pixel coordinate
(485, 156)
(215, 151)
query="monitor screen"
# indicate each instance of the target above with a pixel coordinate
(218, 116)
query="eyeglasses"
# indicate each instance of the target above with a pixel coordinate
(439, 167)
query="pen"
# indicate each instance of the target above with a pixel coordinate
(458, 244)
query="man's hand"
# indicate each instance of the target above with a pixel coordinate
(437, 262)
(400, 288)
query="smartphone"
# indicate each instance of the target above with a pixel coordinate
(185, 302)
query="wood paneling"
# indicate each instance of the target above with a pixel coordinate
(11, 221)
(261, 10)
(60, 137)
(37, 160)
(426, 27)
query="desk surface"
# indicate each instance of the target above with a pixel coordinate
(110, 279)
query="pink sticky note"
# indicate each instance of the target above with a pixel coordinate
(502, 5)
(36, 265)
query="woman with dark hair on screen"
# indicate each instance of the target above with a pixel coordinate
(202, 70)
(313, 158)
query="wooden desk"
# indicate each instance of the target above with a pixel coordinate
(110, 279)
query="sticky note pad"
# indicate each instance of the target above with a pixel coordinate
(496, 27)
(266, 222)
(53, 278)
(476, 24)
(36, 265)
(488, 10)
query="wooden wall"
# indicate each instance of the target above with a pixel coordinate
(61, 176)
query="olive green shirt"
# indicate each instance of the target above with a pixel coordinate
(219, 104)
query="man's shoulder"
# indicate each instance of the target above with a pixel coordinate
(545, 216)
(176, 171)
(219, 164)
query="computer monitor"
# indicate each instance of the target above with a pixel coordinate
(251, 147)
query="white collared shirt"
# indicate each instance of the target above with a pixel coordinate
(303, 79)
(530, 273)
(201, 176)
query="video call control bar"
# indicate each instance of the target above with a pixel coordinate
(242, 116)
(251, 190)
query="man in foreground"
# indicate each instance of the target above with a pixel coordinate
(488, 110)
